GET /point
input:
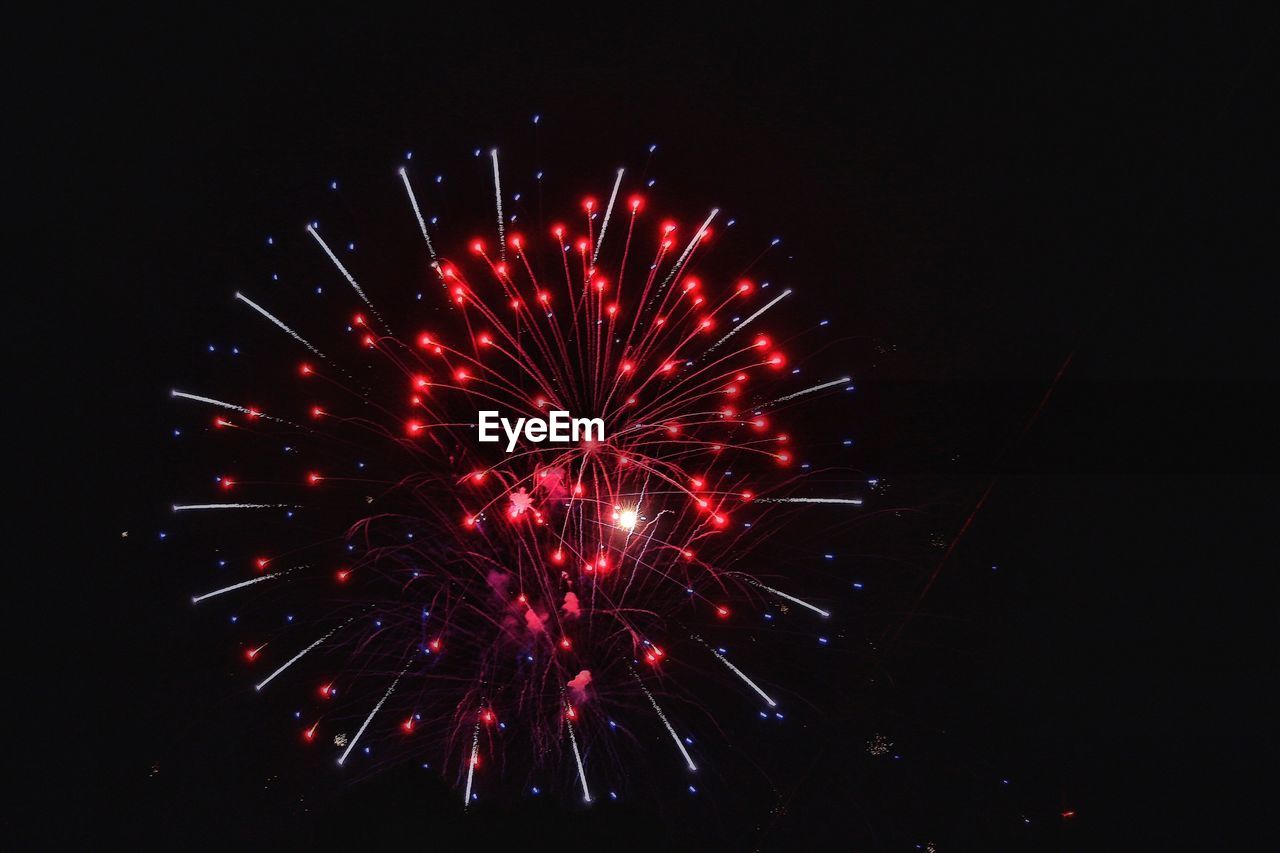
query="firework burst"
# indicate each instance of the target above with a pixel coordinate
(503, 604)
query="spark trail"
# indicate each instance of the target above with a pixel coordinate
(742, 675)
(809, 390)
(791, 598)
(471, 764)
(577, 756)
(300, 655)
(661, 716)
(385, 696)
(848, 501)
(196, 599)
(347, 275)
(233, 407)
(604, 226)
(417, 212)
(290, 332)
(497, 201)
(781, 296)
(190, 507)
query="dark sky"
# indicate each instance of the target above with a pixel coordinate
(977, 201)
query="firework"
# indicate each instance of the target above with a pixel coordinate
(550, 583)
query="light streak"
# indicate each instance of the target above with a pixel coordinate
(781, 296)
(417, 212)
(849, 501)
(497, 200)
(608, 212)
(290, 332)
(808, 391)
(693, 242)
(225, 405)
(675, 737)
(299, 655)
(196, 599)
(742, 675)
(189, 507)
(369, 719)
(790, 598)
(582, 772)
(471, 765)
(346, 274)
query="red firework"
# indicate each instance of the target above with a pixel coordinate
(522, 592)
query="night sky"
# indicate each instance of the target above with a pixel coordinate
(1036, 237)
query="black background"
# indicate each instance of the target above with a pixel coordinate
(986, 199)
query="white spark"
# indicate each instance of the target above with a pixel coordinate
(693, 242)
(675, 737)
(809, 391)
(497, 198)
(582, 773)
(608, 212)
(754, 316)
(299, 655)
(196, 599)
(345, 274)
(724, 660)
(471, 767)
(369, 719)
(265, 313)
(189, 507)
(790, 598)
(849, 501)
(223, 404)
(422, 224)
